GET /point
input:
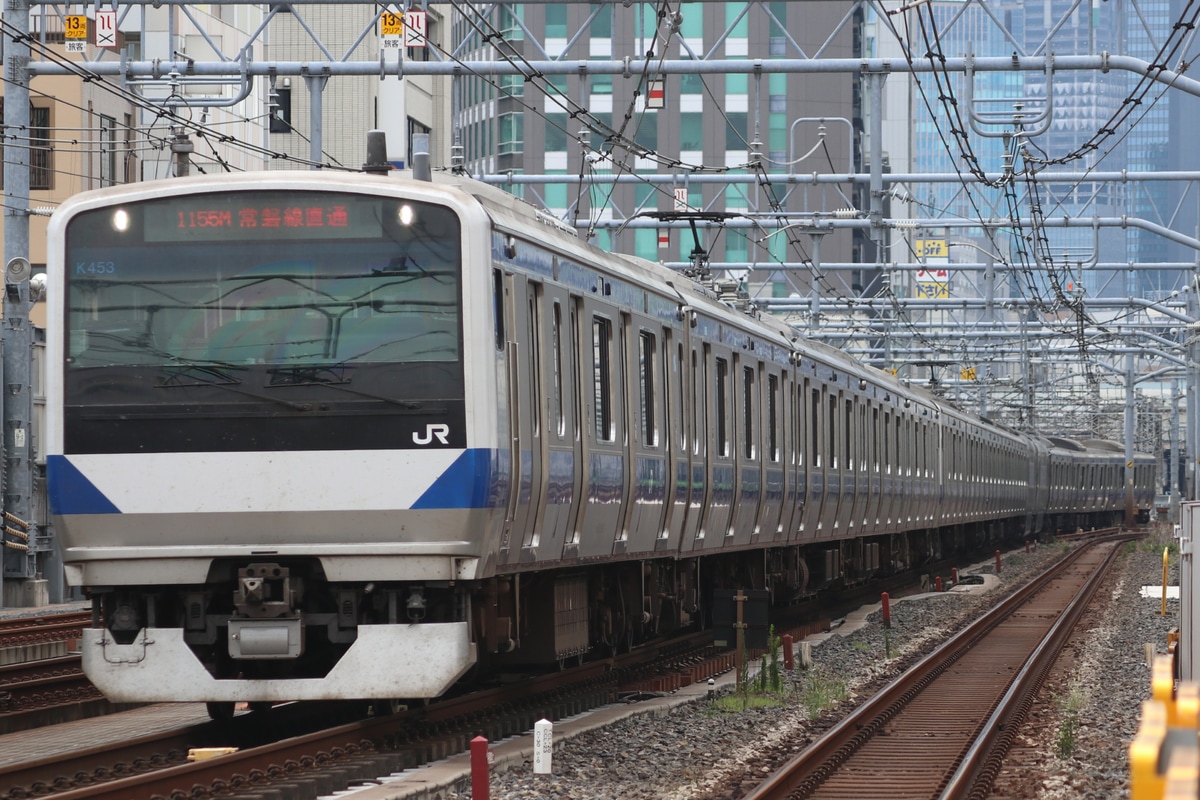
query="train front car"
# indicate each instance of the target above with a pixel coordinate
(263, 465)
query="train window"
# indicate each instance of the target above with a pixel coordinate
(799, 440)
(576, 376)
(832, 440)
(602, 378)
(864, 436)
(925, 443)
(699, 382)
(875, 438)
(535, 359)
(498, 306)
(885, 453)
(814, 430)
(748, 410)
(910, 447)
(556, 365)
(677, 371)
(847, 440)
(646, 387)
(722, 408)
(772, 417)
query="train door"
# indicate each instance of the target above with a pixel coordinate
(939, 475)
(817, 436)
(834, 461)
(926, 503)
(904, 489)
(862, 478)
(885, 471)
(700, 436)
(605, 426)
(717, 516)
(772, 520)
(795, 457)
(676, 439)
(562, 474)
(746, 452)
(647, 503)
(871, 511)
(952, 510)
(526, 447)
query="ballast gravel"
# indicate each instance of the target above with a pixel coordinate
(1074, 746)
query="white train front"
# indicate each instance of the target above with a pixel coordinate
(317, 436)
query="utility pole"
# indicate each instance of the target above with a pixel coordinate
(21, 541)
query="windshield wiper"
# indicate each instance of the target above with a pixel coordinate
(186, 375)
(197, 375)
(332, 375)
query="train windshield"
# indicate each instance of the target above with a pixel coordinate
(264, 278)
(262, 304)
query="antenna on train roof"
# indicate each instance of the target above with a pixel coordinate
(377, 163)
(420, 163)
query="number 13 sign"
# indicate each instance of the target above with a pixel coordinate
(106, 29)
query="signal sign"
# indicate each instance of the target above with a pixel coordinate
(75, 27)
(414, 28)
(391, 24)
(75, 31)
(657, 96)
(106, 29)
(931, 248)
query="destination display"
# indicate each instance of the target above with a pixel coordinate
(262, 216)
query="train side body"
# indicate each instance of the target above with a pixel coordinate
(320, 436)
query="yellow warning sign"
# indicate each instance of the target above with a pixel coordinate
(75, 27)
(933, 291)
(931, 248)
(391, 24)
(967, 373)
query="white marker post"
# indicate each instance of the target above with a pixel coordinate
(543, 746)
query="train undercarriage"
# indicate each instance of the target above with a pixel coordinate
(269, 627)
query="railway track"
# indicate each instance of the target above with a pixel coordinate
(942, 728)
(41, 672)
(16, 631)
(329, 756)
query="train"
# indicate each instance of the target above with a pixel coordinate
(333, 435)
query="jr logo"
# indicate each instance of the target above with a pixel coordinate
(437, 430)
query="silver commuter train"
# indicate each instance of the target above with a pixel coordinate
(324, 436)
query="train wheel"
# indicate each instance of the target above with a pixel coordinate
(220, 711)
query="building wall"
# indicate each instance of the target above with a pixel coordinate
(717, 122)
(353, 105)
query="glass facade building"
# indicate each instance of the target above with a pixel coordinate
(585, 125)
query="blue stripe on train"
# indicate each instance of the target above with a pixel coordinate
(71, 492)
(479, 478)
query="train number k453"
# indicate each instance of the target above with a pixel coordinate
(95, 267)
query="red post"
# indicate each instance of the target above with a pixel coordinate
(997, 562)
(481, 788)
(787, 652)
(1026, 545)
(938, 582)
(887, 610)
(954, 576)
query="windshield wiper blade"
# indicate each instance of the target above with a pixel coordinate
(332, 375)
(308, 375)
(192, 375)
(197, 375)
